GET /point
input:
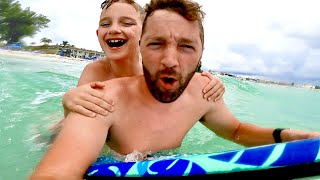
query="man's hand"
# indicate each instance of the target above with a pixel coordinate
(214, 89)
(87, 100)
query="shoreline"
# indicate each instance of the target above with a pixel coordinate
(266, 81)
(56, 58)
(39, 56)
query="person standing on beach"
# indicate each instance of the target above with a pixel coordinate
(119, 34)
(156, 110)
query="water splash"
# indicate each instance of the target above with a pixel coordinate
(44, 96)
(111, 156)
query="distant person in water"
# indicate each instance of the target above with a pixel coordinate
(155, 111)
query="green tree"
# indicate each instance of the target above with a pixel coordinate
(17, 23)
(46, 40)
(65, 43)
(199, 67)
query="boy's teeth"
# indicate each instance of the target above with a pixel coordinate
(115, 41)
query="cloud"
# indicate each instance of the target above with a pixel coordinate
(278, 38)
(268, 37)
(74, 21)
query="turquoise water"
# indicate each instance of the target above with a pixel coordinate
(30, 101)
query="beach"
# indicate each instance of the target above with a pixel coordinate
(39, 56)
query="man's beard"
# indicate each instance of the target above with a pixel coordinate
(166, 96)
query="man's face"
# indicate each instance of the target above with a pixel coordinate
(171, 50)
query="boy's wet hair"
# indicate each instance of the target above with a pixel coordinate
(107, 3)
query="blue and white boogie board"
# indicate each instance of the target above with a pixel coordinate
(288, 160)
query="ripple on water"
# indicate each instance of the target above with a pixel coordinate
(45, 96)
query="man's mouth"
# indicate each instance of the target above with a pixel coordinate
(168, 82)
(116, 43)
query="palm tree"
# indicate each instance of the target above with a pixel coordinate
(64, 43)
(199, 67)
(46, 41)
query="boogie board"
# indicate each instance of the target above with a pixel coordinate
(288, 160)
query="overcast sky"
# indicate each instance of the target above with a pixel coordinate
(268, 37)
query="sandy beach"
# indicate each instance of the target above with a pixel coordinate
(39, 56)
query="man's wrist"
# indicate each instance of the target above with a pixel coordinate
(277, 135)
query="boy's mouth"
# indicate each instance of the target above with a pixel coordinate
(115, 43)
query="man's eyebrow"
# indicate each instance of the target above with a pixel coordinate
(186, 40)
(155, 38)
(162, 39)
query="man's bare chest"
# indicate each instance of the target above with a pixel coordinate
(151, 130)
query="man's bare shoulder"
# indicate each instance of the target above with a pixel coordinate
(194, 91)
(198, 82)
(202, 80)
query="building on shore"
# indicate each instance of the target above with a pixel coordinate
(13, 47)
(79, 53)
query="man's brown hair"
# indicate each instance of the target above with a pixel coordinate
(188, 9)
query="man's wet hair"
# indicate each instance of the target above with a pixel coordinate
(188, 9)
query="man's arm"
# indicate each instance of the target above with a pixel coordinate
(221, 121)
(77, 146)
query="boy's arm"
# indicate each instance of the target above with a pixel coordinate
(215, 89)
(77, 146)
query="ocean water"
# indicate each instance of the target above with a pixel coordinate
(30, 101)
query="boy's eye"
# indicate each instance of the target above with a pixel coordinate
(128, 23)
(105, 24)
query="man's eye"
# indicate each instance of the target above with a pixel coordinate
(154, 44)
(187, 46)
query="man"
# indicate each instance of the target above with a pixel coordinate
(154, 112)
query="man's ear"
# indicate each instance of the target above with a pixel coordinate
(97, 32)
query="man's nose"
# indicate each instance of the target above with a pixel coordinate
(170, 57)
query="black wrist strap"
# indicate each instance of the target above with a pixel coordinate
(276, 135)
